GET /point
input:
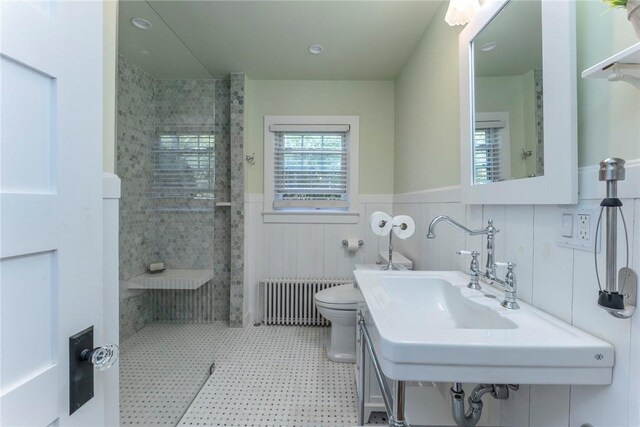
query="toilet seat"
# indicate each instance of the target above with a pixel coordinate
(343, 297)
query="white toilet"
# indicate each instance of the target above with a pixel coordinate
(339, 305)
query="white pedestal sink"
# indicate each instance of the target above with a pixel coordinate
(428, 326)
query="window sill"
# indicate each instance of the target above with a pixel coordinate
(308, 217)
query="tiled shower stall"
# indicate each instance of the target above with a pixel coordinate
(181, 233)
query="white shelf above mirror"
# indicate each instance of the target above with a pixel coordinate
(623, 66)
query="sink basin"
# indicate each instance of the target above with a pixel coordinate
(428, 326)
(442, 306)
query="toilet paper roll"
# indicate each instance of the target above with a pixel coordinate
(353, 245)
(380, 223)
(403, 226)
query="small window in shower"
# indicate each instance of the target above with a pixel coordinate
(491, 154)
(184, 170)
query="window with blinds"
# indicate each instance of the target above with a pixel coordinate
(184, 166)
(488, 150)
(311, 167)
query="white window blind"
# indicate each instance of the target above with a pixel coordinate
(487, 156)
(184, 166)
(311, 166)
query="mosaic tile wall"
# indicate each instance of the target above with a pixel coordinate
(537, 78)
(136, 118)
(181, 238)
(185, 236)
(237, 199)
(222, 217)
(185, 102)
(196, 239)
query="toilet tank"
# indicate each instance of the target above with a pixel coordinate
(398, 259)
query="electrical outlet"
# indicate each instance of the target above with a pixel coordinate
(577, 228)
(584, 226)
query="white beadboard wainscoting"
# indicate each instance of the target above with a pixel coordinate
(558, 280)
(282, 250)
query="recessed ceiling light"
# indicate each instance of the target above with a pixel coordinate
(316, 49)
(488, 46)
(141, 23)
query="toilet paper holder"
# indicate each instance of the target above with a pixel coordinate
(346, 243)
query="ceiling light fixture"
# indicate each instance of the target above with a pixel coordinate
(316, 49)
(488, 46)
(141, 23)
(461, 12)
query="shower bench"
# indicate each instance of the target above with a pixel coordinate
(187, 279)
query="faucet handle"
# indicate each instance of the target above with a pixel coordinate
(510, 285)
(474, 269)
(510, 279)
(510, 265)
(472, 253)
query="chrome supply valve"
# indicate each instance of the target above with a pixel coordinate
(510, 285)
(474, 269)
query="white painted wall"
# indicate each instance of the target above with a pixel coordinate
(560, 281)
(306, 250)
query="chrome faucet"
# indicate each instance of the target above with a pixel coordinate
(509, 281)
(489, 230)
(510, 285)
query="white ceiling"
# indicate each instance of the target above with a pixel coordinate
(363, 40)
(517, 32)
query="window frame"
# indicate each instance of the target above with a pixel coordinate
(312, 215)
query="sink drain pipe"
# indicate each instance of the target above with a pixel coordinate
(471, 417)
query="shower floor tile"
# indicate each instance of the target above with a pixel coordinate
(162, 368)
(264, 376)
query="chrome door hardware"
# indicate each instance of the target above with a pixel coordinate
(83, 358)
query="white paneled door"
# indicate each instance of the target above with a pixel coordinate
(50, 205)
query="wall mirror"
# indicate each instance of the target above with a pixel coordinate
(518, 104)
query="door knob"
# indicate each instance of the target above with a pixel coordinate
(84, 358)
(101, 357)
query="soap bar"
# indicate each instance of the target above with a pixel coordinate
(157, 266)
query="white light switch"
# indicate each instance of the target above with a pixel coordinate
(567, 225)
